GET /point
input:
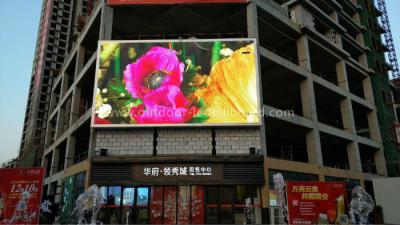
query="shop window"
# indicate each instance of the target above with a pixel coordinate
(141, 213)
(181, 205)
(124, 205)
(232, 205)
(212, 205)
(113, 203)
(128, 200)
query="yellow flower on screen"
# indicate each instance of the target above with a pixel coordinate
(231, 93)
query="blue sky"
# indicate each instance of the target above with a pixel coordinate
(19, 20)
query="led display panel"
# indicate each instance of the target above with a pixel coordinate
(177, 83)
(158, 2)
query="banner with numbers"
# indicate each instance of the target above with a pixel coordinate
(20, 195)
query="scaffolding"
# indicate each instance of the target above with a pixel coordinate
(389, 40)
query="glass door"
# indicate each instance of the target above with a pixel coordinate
(128, 202)
(141, 214)
(135, 205)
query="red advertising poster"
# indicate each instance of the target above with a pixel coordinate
(197, 205)
(316, 202)
(156, 207)
(158, 2)
(184, 205)
(20, 195)
(170, 205)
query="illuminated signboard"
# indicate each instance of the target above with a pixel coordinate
(20, 194)
(177, 172)
(316, 202)
(177, 83)
(152, 2)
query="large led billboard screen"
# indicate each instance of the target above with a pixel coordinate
(158, 2)
(177, 83)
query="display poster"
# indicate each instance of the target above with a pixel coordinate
(20, 195)
(316, 202)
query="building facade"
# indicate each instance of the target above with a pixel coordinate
(56, 33)
(383, 87)
(313, 63)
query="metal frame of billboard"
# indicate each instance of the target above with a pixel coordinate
(258, 81)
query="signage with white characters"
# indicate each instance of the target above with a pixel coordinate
(178, 171)
(181, 173)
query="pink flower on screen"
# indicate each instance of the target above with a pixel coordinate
(158, 67)
(164, 105)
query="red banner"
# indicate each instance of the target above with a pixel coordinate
(316, 202)
(184, 205)
(161, 2)
(156, 205)
(197, 205)
(20, 195)
(170, 205)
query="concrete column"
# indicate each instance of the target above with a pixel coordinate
(368, 90)
(357, 19)
(265, 189)
(76, 97)
(362, 59)
(302, 17)
(338, 38)
(54, 161)
(46, 163)
(59, 123)
(341, 74)
(345, 105)
(353, 155)
(252, 31)
(80, 60)
(347, 115)
(252, 21)
(64, 84)
(346, 108)
(70, 151)
(380, 162)
(92, 142)
(360, 39)
(314, 150)
(303, 53)
(308, 103)
(106, 22)
(334, 16)
(373, 125)
(58, 192)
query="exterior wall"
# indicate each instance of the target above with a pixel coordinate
(68, 129)
(184, 141)
(176, 141)
(51, 47)
(386, 195)
(125, 142)
(381, 87)
(237, 140)
(131, 145)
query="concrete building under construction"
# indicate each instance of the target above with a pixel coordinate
(313, 63)
(55, 39)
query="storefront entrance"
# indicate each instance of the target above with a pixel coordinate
(125, 205)
(193, 204)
